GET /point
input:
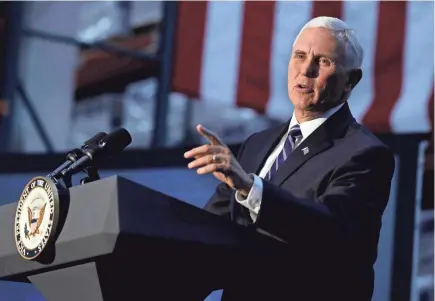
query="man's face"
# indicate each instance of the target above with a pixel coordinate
(316, 78)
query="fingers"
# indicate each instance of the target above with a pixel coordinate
(215, 167)
(222, 161)
(204, 154)
(205, 150)
(212, 137)
(211, 163)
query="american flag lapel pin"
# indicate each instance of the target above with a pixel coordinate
(305, 150)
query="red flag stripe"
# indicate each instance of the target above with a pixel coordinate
(388, 65)
(189, 44)
(327, 9)
(253, 88)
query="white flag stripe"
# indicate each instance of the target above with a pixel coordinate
(220, 63)
(222, 45)
(363, 18)
(289, 19)
(411, 111)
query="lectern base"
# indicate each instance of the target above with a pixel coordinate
(123, 276)
(73, 283)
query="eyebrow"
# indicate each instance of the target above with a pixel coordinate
(317, 55)
(299, 52)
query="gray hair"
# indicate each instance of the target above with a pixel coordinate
(344, 35)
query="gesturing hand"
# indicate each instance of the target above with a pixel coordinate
(217, 158)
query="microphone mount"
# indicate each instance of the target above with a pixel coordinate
(92, 173)
(90, 170)
(88, 157)
(72, 157)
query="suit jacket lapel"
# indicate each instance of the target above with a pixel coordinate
(241, 214)
(320, 140)
(264, 150)
(301, 154)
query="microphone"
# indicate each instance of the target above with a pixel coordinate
(94, 140)
(108, 146)
(77, 153)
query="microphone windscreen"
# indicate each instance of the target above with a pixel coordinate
(116, 141)
(94, 140)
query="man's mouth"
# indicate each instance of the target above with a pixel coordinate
(304, 88)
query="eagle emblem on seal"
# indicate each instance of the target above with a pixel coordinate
(35, 216)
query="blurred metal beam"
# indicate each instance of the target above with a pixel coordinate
(13, 24)
(166, 48)
(118, 103)
(91, 45)
(35, 118)
(124, 8)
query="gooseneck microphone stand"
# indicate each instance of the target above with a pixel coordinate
(63, 175)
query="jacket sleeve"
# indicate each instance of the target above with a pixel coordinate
(220, 201)
(347, 214)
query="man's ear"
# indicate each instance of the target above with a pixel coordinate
(354, 78)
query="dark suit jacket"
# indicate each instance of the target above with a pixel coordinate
(326, 204)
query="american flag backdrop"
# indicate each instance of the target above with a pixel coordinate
(236, 53)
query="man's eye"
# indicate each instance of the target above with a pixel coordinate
(324, 61)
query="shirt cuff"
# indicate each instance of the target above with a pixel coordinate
(253, 200)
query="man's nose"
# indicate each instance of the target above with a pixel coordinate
(309, 68)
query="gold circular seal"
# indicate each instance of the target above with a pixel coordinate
(36, 217)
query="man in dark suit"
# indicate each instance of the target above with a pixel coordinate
(320, 182)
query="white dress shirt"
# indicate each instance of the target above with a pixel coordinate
(253, 200)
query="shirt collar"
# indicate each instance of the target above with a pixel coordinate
(310, 126)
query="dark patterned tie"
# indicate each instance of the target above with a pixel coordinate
(293, 139)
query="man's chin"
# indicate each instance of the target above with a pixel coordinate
(303, 103)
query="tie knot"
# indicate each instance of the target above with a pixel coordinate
(295, 135)
(295, 131)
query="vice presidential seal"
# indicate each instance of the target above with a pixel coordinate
(36, 217)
